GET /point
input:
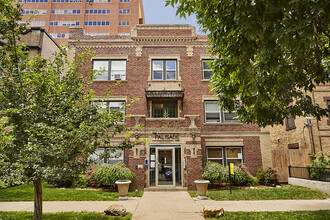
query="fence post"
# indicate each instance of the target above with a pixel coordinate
(289, 170)
(309, 173)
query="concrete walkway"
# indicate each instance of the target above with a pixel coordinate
(267, 205)
(169, 205)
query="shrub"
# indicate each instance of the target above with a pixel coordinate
(214, 172)
(81, 182)
(271, 177)
(318, 166)
(267, 177)
(251, 180)
(261, 176)
(63, 179)
(108, 174)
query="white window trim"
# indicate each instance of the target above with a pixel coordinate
(224, 152)
(109, 68)
(221, 115)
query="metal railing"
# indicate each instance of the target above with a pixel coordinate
(311, 173)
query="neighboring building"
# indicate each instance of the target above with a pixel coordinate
(39, 42)
(165, 66)
(293, 142)
(98, 17)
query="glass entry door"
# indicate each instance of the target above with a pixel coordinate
(165, 161)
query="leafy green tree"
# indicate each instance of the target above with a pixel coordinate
(270, 54)
(50, 127)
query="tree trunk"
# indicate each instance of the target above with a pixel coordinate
(37, 199)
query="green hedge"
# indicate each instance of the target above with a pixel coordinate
(108, 174)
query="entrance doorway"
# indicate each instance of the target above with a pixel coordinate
(165, 166)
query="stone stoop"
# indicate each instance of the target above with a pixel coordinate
(165, 189)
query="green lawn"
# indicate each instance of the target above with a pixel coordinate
(301, 215)
(25, 193)
(285, 192)
(62, 215)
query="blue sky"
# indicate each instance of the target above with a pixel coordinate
(155, 12)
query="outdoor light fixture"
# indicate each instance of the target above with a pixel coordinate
(137, 135)
(193, 135)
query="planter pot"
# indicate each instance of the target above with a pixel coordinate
(123, 186)
(201, 188)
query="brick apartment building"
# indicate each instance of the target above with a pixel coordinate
(97, 17)
(294, 142)
(165, 66)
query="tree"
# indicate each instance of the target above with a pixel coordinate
(270, 54)
(48, 123)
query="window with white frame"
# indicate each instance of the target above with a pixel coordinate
(64, 23)
(59, 35)
(123, 23)
(98, 1)
(65, 11)
(32, 23)
(125, 1)
(111, 105)
(164, 70)
(124, 11)
(110, 69)
(33, 1)
(225, 155)
(207, 72)
(97, 11)
(213, 113)
(66, 1)
(116, 156)
(35, 12)
(97, 23)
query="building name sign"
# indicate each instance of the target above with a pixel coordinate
(166, 136)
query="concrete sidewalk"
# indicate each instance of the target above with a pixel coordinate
(170, 205)
(267, 205)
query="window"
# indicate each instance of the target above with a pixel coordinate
(290, 123)
(124, 11)
(32, 23)
(98, 1)
(66, 1)
(115, 156)
(112, 106)
(97, 11)
(125, 1)
(164, 109)
(66, 11)
(97, 23)
(110, 69)
(213, 113)
(59, 35)
(164, 70)
(35, 12)
(123, 23)
(64, 23)
(33, 1)
(207, 72)
(225, 155)
(97, 34)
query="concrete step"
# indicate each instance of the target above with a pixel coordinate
(165, 189)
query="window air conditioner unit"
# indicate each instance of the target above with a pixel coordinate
(117, 76)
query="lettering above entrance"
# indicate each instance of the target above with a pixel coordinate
(166, 136)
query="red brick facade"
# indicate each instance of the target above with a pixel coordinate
(179, 43)
(136, 15)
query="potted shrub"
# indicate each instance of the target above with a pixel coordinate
(111, 174)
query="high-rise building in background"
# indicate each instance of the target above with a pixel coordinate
(97, 17)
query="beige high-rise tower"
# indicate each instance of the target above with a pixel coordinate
(97, 17)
